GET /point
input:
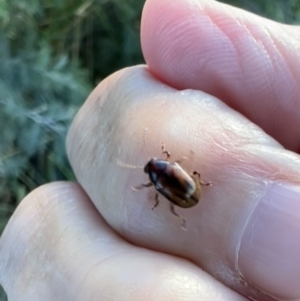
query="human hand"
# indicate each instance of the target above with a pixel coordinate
(242, 238)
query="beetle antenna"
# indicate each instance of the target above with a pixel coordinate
(144, 136)
(125, 165)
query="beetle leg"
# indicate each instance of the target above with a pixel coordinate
(183, 221)
(156, 201)
(200, 181)
(140, 187)
(165, 152)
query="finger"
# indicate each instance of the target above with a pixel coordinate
(57, 247)
(255, 192)
(251, 63)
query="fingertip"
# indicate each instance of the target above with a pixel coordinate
(269, 253)
(249, 62)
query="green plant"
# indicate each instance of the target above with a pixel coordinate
(285, 11)
(39, 96)
(43, 45)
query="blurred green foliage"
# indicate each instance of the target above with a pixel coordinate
(285, 11)
(52, 53)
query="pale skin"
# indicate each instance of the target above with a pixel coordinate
(99, 240)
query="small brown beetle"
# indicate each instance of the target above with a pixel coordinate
(174, 183)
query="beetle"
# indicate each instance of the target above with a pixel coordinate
(169, 179)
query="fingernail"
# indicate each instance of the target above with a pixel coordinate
(269, 254)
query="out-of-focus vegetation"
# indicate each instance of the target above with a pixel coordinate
(285, 11)
(52, 53)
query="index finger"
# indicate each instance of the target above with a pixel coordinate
(250, 63)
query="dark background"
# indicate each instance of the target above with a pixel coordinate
(52, 54)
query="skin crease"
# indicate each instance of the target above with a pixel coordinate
(99, 240)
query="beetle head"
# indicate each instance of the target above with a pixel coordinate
(150, 165)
